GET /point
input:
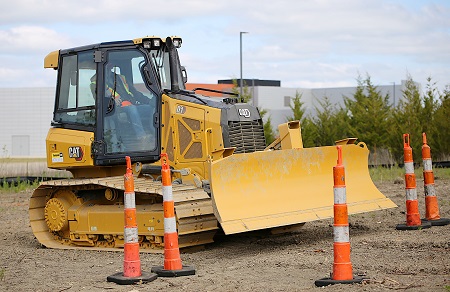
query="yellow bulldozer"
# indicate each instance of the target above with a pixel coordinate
(128, 98)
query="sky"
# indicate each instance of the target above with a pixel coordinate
(304, 44)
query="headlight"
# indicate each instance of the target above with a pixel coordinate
(177, 42)
(156, 42)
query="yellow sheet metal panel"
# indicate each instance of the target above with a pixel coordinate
(191, 133)
(69, 148)
(290, 135)
(108, 219)
(275, 188)
(51, 60)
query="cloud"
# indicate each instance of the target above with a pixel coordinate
(25, 71)
(87, 11)
(313, 28)
(31, 40)
(301, 43)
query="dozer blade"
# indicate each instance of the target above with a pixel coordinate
(277, 188)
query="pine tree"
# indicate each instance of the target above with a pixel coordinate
(268, 132)
(306, 124)
(368, 114)
(329, 124)
(440, 133)
(407, 120)
(297, 108)
(430, 106)
(246, 94)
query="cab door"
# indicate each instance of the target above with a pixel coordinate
(129, 107)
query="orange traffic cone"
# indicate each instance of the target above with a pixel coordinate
(132, 264)
(413, 221)
(342, 266)
(172, 261)
(431, 203)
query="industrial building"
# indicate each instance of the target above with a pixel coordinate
(26, 113)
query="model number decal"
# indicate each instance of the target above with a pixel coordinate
(76, 152)
(244, 112)
(181, 109)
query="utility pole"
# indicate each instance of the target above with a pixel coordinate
(240, 43)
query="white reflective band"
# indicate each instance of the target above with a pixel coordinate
(167, 193)
(411, 194)
(170, 225)
(130, 235)
(409, 167)
(427, 165)
(340, 196)
(341, 234)
(430, 191)
(129, 200)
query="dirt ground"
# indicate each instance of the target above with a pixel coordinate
(391, 259)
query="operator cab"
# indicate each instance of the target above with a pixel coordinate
(113, 91)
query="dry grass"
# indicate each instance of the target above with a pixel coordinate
(381, 174)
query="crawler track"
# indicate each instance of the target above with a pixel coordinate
(88, 214)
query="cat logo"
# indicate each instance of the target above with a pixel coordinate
(76, 152)
(244, 112)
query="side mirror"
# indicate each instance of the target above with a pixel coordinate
(184, 74)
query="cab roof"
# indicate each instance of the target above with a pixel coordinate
(51, 60)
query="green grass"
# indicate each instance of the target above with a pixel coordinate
(2, 274)
(441, 172)
(385, 174)
(447, 287)
(380, 174)
(21, 186)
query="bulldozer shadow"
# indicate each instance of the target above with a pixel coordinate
(311, 234)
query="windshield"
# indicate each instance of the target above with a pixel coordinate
(161, 61)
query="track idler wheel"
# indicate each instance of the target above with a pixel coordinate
(56, 210)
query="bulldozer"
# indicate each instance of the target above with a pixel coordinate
(129, 98)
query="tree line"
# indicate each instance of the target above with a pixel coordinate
(369, 116)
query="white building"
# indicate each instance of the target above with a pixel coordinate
(25, 116)
(26, 113)
(276, 99)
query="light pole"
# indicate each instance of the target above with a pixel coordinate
(240, 43)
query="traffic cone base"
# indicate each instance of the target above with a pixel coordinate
(438, 222)
(423, 225)
(120, 279)
(185, 271)
(329, 281)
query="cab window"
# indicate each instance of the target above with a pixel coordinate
(76, 94)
